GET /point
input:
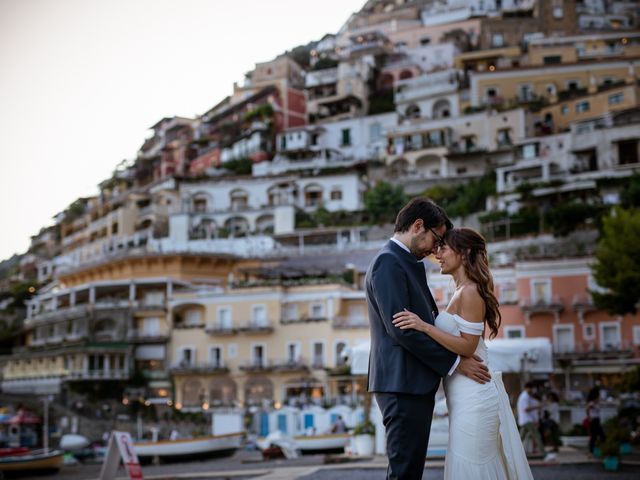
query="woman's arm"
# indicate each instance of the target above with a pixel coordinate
(463, 345)
(472, 309)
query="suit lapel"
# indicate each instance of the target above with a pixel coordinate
(416, 268)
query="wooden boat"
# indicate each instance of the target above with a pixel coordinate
(35, 461)
(189, 448)
(329, 443)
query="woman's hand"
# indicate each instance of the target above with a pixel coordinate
(406, 319)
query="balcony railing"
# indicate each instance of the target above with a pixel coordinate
(583, 302)
(350, 322)
(302, 319)
(256, 327)
(140, 336)
(199, 367)
(99, 374)
(594, 350)
(290, 365)
(258, 366)
(220, 330)
(551, 304)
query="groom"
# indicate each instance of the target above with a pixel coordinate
(405, 366)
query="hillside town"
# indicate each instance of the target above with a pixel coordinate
(222, 266)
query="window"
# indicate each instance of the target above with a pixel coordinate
(508, 293)
(187, 356)
(504, 137)
(616, 98)
(193, 318)
(541, 291)
(151, 327)
(232, 350)
(564, 110)
(224, 318)
(283, 142)
(317, 310)
(336, 194)
(524, 92)
(314, 138)
(346, 137)
(461, 170)
(573, 85)
(375, 132)
(589, 331)
(627, 152)
(514, 331)
(290, 312)
(425, 41)
(259, 316)
(340, 347)
(610, 336)
(636, 335)
(563, 339)
(293, 352)
(552, 59)
(258, 355)
(582, 107)
(497, 40)
(215, 356)
(318, 354)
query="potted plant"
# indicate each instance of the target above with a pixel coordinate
(610, 453)
(363, 438)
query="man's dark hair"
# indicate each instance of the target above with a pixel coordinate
(529, 385)
(431, 214)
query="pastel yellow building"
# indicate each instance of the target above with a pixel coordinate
(274, 343)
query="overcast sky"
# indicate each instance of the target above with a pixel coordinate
(81, 82)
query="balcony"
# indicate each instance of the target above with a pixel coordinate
(140, 336)
(583, 302)
(290, 365)
(61, 313)
(99, 375)
(220, 330)
(350, 322)
(198, 367)
(258, 365)
(595, 351)
(256, 328)
(542, 305)
(302, 319)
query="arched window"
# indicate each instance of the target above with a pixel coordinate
(441, 109)
(192, 393)
(257, 389)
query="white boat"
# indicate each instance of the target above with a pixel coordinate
(72, 441)
(189, 448)
(333, 442)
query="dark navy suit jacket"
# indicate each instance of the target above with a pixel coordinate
(402, 361)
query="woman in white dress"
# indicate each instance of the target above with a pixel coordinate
(484, 442)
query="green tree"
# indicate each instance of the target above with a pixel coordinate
(383, 202)
(630, 196)
(617, 266)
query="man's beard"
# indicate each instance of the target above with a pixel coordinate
(418, 252)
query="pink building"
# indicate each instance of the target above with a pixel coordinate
(551, 299)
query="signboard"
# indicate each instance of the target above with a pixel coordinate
(120, 448)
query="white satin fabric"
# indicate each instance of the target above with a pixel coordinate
(484, 442)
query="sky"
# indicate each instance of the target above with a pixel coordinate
(81, 82)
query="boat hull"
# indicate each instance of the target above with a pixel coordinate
(35, 462)
(189, 449)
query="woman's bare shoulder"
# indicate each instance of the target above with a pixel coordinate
(471, 304)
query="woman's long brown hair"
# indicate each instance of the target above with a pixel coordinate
(473, 248)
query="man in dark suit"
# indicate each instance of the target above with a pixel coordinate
(405, 366)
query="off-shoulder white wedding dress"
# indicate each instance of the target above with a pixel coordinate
(484, 442)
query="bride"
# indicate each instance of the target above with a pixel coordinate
(484, 442)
